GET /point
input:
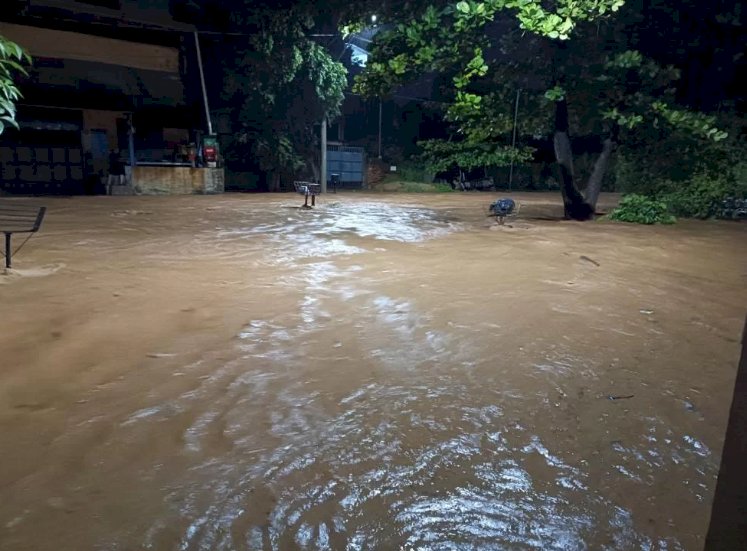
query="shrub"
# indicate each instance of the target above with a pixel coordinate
(442, 188)
(703, 195)
(416, 187)
(639, 209)
(411, 171)
(699, 197)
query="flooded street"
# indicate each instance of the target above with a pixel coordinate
(383, 372)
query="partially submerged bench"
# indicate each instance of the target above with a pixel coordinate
(19, 219)
(308, 189)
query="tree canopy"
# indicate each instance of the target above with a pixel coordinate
(12, 57)
(278, 81)
(575, 61)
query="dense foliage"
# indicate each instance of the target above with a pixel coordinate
(581, 67)
(640, 209)
(11, 59)
(443, 155)
(275, 120)
(278, 82)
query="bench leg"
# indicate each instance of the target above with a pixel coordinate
(313, 200)
(7, 251)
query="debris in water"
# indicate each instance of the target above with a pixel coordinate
(626, 397)
(647, 312)
(583, 257)
(160, 355)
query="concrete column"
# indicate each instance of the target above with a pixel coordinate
(324, 155)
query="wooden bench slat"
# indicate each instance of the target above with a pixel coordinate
(18, 213)
(21, 218)
(18, 219)
(4, 215)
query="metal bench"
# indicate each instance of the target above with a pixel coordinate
(19, 219)
(308, 189)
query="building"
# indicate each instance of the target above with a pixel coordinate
(113, 82)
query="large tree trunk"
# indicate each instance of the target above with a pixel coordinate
(573, 202)
(274, 182)
(594, 186)
(315, 169)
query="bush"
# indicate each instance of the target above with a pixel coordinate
(411, 171)
(700, 197)
(639, 209)
(703, 195)
(415, 187)
(442, 188)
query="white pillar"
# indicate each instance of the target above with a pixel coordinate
(324, 155)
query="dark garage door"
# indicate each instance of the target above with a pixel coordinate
(348, 162)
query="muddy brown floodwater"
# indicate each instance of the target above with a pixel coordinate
(383, 372)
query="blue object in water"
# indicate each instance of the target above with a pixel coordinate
(502, 207)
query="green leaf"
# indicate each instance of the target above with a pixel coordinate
(463, 6)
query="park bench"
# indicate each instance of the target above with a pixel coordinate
(308, 189)
(19, 219)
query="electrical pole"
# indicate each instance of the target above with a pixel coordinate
(513, 142)
(324, 155)
(202, 83)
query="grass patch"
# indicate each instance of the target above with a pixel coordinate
(392, 185)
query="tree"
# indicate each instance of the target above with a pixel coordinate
(594, 82)
(275, 116)
(278, 83)
(465, 155)
(11, 58)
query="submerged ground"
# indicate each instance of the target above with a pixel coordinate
(385, 371)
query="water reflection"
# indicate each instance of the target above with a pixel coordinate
(429, 459)
(387, 470)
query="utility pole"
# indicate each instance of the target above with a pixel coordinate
(202, 83)
(513, 141)
(324, 155)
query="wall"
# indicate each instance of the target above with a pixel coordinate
(41, 42)
(168, 180)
